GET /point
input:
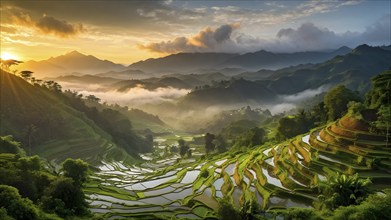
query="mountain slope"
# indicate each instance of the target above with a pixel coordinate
(268, 60)
(126, 74)
(353, 70)
(231, 63)
(181, 62)
(69, 63)
(49, 124)
(234, 92)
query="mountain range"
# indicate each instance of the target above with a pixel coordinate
(76, 63)
(72, 62)
(353, 70)
(193, 62)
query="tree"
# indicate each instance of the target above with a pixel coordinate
(336, 101)
(343, 190)
(227, 211)
(26, 74)
(302, 213)
(183, 147)
(209, 146)
(54, 86)
(220, 143)
(379, 98)
(65, 198)
(29, 163)
(8, 145)
(376, 206)
(319, 113)
(16, 206)
(255, 136)
(6, 64)
(75, 169)
(250, 210)
(189, 153)
(92, 98)
(30, 131)
(380, 93)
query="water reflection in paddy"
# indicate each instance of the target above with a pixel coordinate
(208, 192)
(157, 182)
(230, 169)
(157, 200)
(115, 200)
(178, 195)
(219, 194)
(272, 180)
(136, 210)
(306, 139)
(156, 192)
(99, 203)
(190, 176)
(98, 210)
(236, 196)
(220, 162)
(218, 183)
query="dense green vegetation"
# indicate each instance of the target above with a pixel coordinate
(322, 174)
(58, 125)
(29, 190)
(332, 161)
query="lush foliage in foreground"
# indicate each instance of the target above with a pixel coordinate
(28, 190)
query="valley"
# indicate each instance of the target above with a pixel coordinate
(275, 176)
(215, 110)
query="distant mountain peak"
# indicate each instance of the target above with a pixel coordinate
(74, 53)
(364, 48)
(343, 49)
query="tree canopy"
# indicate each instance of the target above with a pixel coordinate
(336, 101)
(76, 170)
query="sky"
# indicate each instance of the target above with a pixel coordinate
(128, 31)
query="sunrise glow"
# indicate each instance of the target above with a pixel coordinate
(8, 56)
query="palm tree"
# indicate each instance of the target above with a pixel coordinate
(344, 190)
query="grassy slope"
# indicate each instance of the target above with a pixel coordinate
(80, 138)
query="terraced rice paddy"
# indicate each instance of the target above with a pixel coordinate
(279, 176)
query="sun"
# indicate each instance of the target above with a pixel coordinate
(8, 56)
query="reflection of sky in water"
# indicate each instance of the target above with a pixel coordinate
(190, 176)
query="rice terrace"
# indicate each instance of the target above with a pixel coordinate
(171, 109)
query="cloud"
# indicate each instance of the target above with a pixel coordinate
(380, 31)
(135, 97)
(311, 37)
(139, 96)
(304, 95)
(48, 25)
(207, 40)
(51, 25)
(307, 37)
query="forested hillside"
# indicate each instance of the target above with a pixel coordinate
(58, 125)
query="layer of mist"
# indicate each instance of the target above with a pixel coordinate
(163, 102)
